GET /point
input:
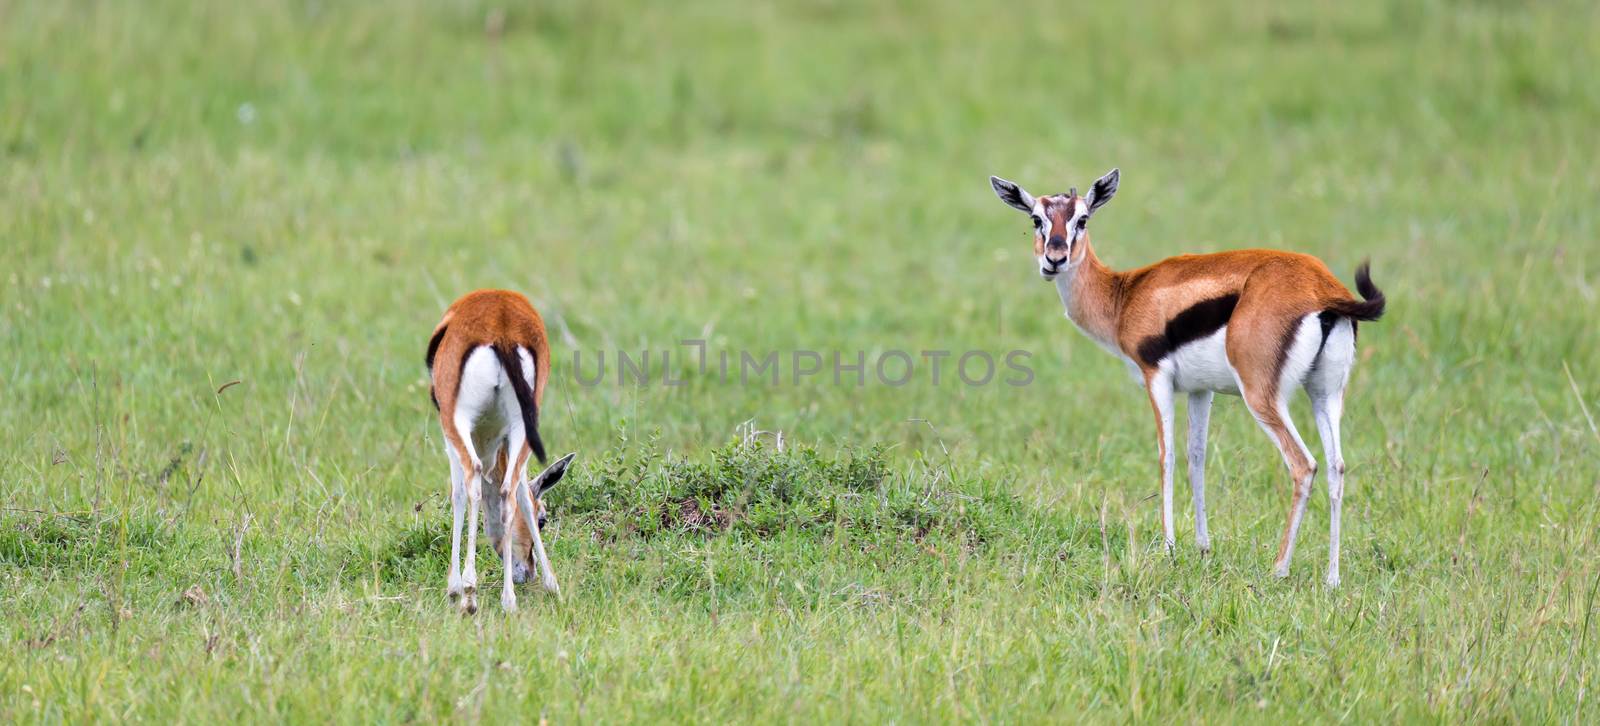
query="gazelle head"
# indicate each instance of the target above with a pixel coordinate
(1060, 221)
(523, 560)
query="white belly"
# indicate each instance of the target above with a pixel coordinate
(1202, 365)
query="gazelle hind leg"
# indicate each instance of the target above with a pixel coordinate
(458, 503)
(473, 467)
(464, 472)
(1272, 413)
(1269, 361)
(1325, 387)
(1199, 421)
(1327, 411)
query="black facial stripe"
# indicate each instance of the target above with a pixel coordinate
(1196, 322)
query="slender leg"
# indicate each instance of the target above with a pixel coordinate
(1199, 421)
(473, 473)
(1328, 409)
(525, 502)
(458, 503)
(493, 474)
(1272, 412)
(1160, 388)
(515, 444)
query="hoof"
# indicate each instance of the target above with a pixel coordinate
(550, 585)
(508, 602)
(469, 604)
(1332, 580)
(1281, 571)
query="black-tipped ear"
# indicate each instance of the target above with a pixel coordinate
(1103, 190)
(552, 474)
(1012, 194)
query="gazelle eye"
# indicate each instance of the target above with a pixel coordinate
(1037, 223)
(1083, 222)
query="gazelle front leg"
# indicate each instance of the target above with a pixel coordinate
(516, 448)
(1199, 421)
(548, 575)
(508, 594)
(544, 480)
(1159, 386)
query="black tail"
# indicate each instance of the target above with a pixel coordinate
(510, 361)
(1369, 309)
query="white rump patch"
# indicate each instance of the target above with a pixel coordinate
(1302, 353)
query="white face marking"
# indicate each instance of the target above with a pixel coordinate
(1041, 220)
(1073, 233)
(1080, 217)
(1041, 228)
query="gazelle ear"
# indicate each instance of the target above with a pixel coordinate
(1103, 190)
(552, 474)
(1012, 194)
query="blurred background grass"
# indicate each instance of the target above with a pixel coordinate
(287, 194)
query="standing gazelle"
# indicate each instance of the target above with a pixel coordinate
(1256, 323)
(489, 360)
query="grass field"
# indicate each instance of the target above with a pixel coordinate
(288, 194)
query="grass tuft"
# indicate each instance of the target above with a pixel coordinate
(81, 543)
(751, 491)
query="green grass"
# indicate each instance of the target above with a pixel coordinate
(287, 195)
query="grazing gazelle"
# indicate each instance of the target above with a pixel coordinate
(489, 361)
(1254, 323)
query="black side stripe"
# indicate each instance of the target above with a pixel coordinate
(1198, 321)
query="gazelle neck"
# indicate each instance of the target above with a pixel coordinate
(1089, 291)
